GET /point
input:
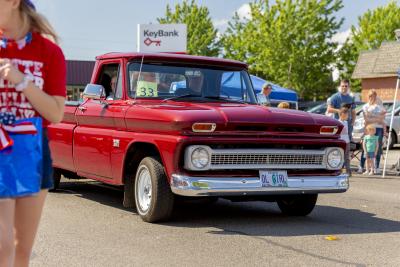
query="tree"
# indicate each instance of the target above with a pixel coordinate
(374, 27)
(288, 42)
(202, 36)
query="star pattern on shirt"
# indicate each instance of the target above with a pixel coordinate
(7, 118)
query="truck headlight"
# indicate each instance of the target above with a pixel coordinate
(200, 157)
(197, 157)
(334, 158)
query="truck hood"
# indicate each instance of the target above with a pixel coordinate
(229, 118)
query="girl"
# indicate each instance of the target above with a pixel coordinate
(32, 71)
(370, 146)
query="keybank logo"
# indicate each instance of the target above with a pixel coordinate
(160, 33)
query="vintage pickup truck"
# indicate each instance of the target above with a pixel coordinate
(207, 137)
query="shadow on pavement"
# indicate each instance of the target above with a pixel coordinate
(247, 218)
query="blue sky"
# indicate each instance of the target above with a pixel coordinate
(91, 27)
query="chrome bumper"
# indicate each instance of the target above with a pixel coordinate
(234, 186)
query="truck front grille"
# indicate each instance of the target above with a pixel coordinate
(241, 159)
(267, 159)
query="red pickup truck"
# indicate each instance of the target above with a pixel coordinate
(164, 125)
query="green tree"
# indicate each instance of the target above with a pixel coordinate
(201, 34)
(374, 27)
(288, 42)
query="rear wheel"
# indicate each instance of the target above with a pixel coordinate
(56, 180)
(297, 205)
(153, 197)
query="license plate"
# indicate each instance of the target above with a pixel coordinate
(273, 178)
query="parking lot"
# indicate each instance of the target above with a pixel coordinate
(84, 224)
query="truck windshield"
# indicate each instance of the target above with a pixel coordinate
(189, 83)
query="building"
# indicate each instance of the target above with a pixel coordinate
(79, 74)
(378, 69)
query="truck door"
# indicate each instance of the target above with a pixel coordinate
(93, 139)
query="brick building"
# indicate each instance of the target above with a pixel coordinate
(79, 74)
(377, 70)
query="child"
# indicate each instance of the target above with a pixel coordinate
(343, 117)
(370, 146)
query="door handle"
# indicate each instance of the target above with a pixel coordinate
(82, 108)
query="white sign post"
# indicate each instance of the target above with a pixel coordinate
(391, 122)
(162, 38)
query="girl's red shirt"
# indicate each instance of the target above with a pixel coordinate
(42, 61)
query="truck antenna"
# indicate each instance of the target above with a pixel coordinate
(139, 76)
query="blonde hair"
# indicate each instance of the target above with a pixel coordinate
(370, 127)
(37, 22)
(284, 105)
(372, 92)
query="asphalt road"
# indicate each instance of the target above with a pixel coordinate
(85, 225)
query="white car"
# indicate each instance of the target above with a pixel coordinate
(358, 130)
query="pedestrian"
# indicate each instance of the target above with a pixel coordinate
(284, 105)
(343, 118)
(32, 69)
(374, 114)
(343, 99)
(263, 96)
(370, 146)
(330, 115)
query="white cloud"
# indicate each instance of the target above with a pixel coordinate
(221, 24)
(341, 37)
(244, 11)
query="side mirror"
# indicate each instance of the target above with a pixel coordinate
(94, 91)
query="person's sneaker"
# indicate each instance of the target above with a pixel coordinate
(378, 171)
(360, 170)
(366, 172)
(371, 173)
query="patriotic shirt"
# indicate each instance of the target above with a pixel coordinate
(44, 63)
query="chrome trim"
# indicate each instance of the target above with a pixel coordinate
(228, 186)
(266, 158)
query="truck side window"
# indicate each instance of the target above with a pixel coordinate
(108, 79)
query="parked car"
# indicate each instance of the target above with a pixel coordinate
(358, 130)
(208, 139)
(321, 108)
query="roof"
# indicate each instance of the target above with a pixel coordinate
(178, 58)
(378, 63)
(79, 72)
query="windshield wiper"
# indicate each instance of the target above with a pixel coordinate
(180, 96)
(225, 99)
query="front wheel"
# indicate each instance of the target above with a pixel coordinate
(56, 180)
(153, 197)
(297, 205)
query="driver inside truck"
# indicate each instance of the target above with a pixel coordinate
(194, 83)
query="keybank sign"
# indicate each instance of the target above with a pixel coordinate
(162, 38)
(160, 33)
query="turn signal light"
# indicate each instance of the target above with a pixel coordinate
(202, 127)
(328, 130)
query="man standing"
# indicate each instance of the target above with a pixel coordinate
(343, 99)
(263, 97)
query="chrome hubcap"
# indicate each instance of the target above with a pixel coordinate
(144, 188)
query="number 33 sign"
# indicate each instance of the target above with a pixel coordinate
(146, 89)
